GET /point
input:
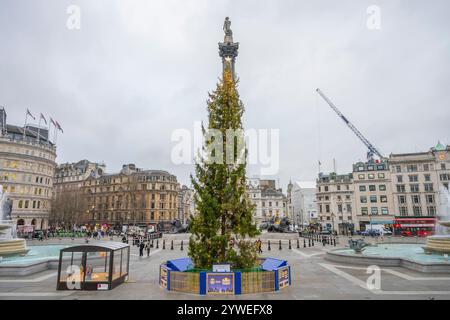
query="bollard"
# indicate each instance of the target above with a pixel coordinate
(171, 245)
(334, 242)
(181, 248)
(152, 244)
(304, 243)
(312, 242)
(309, 243)
(290, 246)
(268, 245)
(298, 243)
(279, 245)
(164, 244)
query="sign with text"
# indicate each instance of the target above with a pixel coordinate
(220, 283)
(163, 274)
(221, 267)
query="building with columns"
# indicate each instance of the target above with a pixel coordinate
(27, 167)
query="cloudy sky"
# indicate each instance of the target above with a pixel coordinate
(137, 70)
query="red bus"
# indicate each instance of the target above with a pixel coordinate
(409, 227)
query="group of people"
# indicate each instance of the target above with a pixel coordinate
(144, 245)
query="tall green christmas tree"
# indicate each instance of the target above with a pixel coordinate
(222, 228)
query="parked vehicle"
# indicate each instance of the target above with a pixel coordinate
(370, 233)
(381, 229)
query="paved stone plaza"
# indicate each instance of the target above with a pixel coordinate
(313, 277)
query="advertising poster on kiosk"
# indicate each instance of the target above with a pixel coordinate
(163, 276)
(220, 283)
(283, 277)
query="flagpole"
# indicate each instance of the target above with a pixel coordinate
(39, 129)
(26, 118)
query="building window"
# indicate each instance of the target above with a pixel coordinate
(430, 198)
(363, 199)
(362, 188)
(338, 187)
(384, 210)
(402, 199)
(401, 188)
(428, 187)
(383, 198)
(415, 199)
(443, 166)
(371, 176)
(364, 211)
(372, 187)
(373, 199)
(398, 168)
(381, 176)
(414, 187)
(361, 176)
(327, 208)
(403, 211)
(417, 211)
(349, 208)
(399, 179)
(374, 211)
(382, 187)
(431, 211)
(20, 204)
(426, 167)
(326, 188)
(411, 168)
(413, 178)
(427, 177)
(340, 208)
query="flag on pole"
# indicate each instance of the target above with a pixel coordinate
(29, 113)
(59, 127)
(43, 118)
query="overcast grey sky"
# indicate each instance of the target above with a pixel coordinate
(138, 69)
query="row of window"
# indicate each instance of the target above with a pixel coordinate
(427, 187)
(141, 205)
(373, 199)
(415, 199)
(416, 167)
(374, 211)
(26, 178)
(372, 187)
(348, 208)
(32, 204)
(27, 151)
(371, 176)
(417, 211)
(338, 188)
(27, 190)
(140, 216)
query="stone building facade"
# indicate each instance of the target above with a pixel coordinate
(131, 197)
(27, 167)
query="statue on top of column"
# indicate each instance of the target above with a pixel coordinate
(227, 30)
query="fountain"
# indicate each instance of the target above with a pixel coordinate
(440, 242)
(9, 245)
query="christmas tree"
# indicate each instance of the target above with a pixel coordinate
(222, 228)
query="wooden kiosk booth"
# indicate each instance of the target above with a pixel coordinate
(97, 266)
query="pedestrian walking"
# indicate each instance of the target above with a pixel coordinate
(147, 247)
(260, 246)
(141, 249)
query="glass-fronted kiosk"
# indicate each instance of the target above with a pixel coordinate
(100, 266)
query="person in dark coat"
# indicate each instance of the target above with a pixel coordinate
(141, 249)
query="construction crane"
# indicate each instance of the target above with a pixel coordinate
(372, 150)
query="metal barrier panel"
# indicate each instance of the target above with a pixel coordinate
(260, 281)
(185, 281)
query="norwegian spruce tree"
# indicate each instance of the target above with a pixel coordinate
(222, 228)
